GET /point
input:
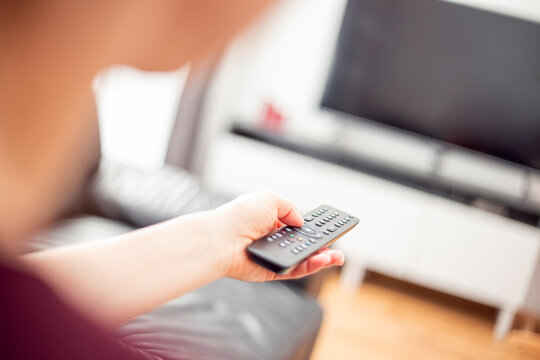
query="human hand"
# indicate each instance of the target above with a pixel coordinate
(250, 217)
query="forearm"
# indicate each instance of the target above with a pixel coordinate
(116, 279)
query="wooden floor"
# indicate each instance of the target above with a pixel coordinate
(387, 319)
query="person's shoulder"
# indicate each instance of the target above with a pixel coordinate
(15, 283)
(34, 321)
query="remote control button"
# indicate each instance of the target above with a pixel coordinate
(300, 239)
(319, 224)
(291, 235)
(295, 251)
(282, 244)
(287, 242)
(308, 219)
(269, 239)
(303, 246)
(309, 230)
(325, 209)
(326, 233)
(307, 243)
(331, 229)
(279, 235)
(288, 229)
(312, 241)
(337, 225)
(314, 214)
(299, 248)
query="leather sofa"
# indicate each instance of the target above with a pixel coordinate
(228, 319)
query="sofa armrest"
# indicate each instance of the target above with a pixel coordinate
(142, 198)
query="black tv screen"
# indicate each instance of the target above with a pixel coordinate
(450, 72)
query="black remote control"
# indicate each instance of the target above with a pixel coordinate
(287, 246)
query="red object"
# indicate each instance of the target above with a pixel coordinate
(272, 118)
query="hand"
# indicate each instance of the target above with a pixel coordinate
(250, 217)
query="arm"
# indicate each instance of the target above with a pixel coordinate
(114, 280)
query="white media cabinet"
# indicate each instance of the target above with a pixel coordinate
(403, 232)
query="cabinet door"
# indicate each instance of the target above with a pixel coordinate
(475, 254)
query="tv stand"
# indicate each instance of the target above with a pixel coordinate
(409, 228)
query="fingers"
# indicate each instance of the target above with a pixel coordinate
(325, 258)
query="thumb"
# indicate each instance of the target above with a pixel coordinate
(287, 214)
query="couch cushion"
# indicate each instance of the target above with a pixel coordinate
(228, 319)
(77, 229)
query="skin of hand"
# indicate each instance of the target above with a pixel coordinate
(253, 216)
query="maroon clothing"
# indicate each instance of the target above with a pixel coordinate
(36, 324)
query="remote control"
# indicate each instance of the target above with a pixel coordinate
(287, 246)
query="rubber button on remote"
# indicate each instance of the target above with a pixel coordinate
(331, 229)
(309, 230)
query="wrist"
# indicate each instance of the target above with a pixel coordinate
(204, 236)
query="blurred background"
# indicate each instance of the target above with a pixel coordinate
(422, 118)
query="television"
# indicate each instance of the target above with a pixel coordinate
(444, 71)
